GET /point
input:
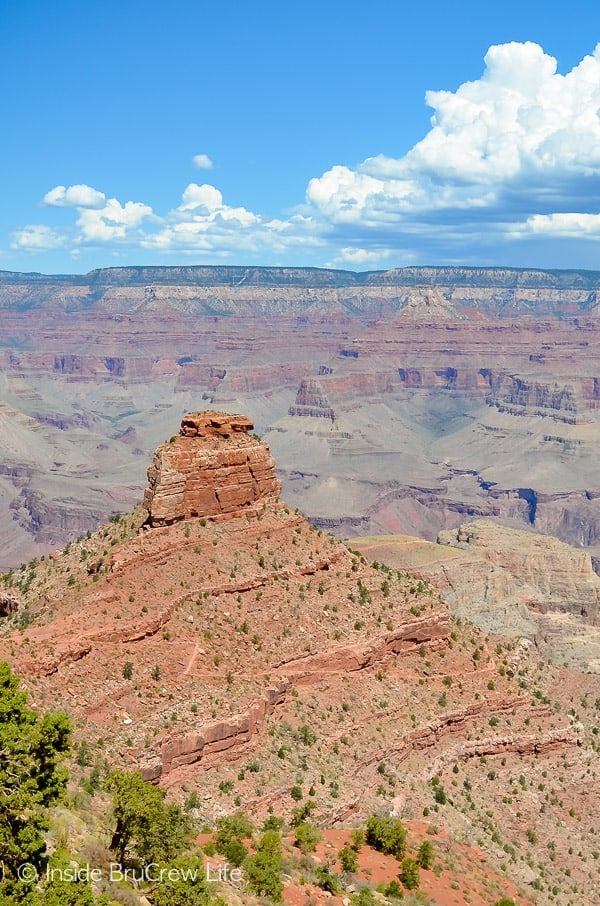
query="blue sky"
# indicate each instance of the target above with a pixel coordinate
(348, 134)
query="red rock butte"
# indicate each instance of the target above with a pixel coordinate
(214, 467)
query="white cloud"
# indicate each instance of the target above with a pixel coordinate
(79, 196)
(202, 162)
(204, 197)
(113, 221)
(510, 158)
(577, 226)
(37, 237)
(361, 257)
(517, 128)
(204, 206)
(203, 223)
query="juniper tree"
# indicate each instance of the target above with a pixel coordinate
(146, 827)
(32, 776)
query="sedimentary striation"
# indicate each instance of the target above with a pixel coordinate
(409, 399)
(212, 468)
(553, 576)
(510, 582)
(241, 654)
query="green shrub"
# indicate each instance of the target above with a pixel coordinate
(306, 736)
(32, 777)
(358, 838)
(262, 871)
(394, 891)
(300, 814)
(273, 823)
(327, 880)
(348, 859)
(364, 898)
(425, 855)
(58, 891)
(146, 828)
(84, 757)
(190, 887)
(234, 851)
(386, 835)
(409, 874)
(232, 827)
(439, 794)
(306, 837)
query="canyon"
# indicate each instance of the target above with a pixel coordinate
(216, 641)
(403, 401)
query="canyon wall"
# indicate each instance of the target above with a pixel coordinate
(509, 582)
(404, 400)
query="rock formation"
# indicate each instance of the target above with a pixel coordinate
(212, 468)
(551, 575)
(509, 582)
(404, 400)
(245, 654)
(9, 604)
(311, 401)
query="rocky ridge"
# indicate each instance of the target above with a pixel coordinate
(243, 653)
(507, 288)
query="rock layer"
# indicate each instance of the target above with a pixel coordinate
(551, 575)
(241, 655)
(397, 401)
(509, 582)
(212, 468)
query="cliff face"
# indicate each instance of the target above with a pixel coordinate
(212, 468)
(312, 402)
(519, 396)
(509, 582)
(553, 576)
(421, 291)
(402, 400)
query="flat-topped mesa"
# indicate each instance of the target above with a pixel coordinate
(214, 467)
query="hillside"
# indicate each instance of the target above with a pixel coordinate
(225, 647)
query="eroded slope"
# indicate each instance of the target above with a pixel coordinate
(251, 659)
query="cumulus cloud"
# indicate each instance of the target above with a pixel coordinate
(79, 196)
(518, 130)
(37, 237)
(197, 198)
(112, 222)
(357, 257)
(562, 225)
(204, 223)
(511, 161)
(202, 162)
